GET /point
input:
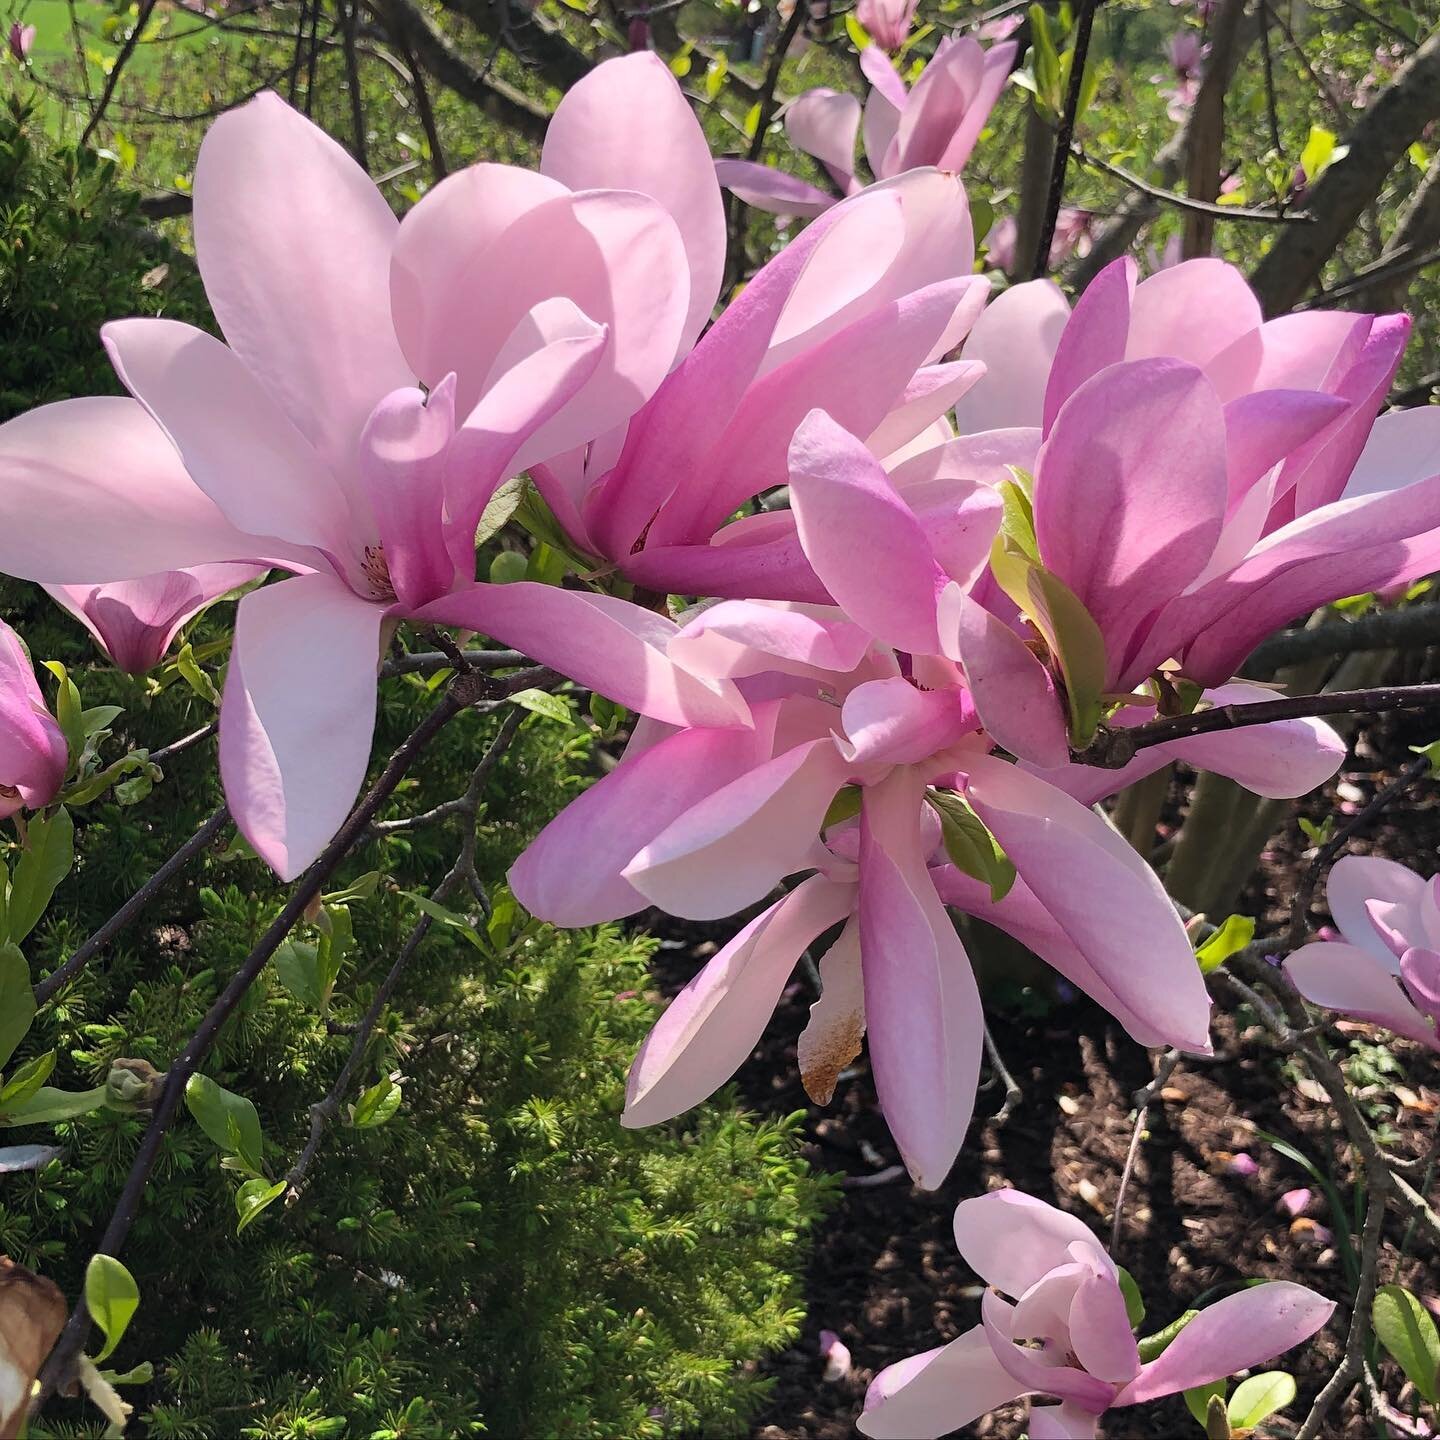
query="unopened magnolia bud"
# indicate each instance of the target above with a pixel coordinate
(132, 1085)
(1217, 1422)
(32, 1315)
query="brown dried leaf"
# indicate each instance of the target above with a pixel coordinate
(32, 1315)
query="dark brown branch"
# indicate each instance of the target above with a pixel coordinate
(1398, 265)
(200, 841)
(421, 91)
(142, 19)
(1114, 749)
(184, 743)
(1064, 136)
(1195, 207)
(427, 662)
(348, 20)
(536, 41)
(1205, 132)
(1411, 628)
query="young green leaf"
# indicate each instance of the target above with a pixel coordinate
(845, 804)
(1134, 1303)
(230, 1120)
(26, 1080)
(49, 854)
(49, 1107)
(1259, 1397)
(252, 1197)
(859, 35)
(1153, 1346)
(1075, 639)
(296, 965)
(1197, 1400)
(68, 710)
(376, 1105)
(542, 702)
(1404, 1327)
(1217, 1420)
(195, 677)
(971, 847)
(1230, 939)
(17, 1000)
(112, 1298)
(361, 888)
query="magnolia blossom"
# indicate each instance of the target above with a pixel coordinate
(32, 1315)
(705, 822)
(134, 621)
(1072, 235)
(937, 122)
(377, 383)
(1064, 1333)
(20, 38)
(887, 22)
(33, 753)
(1386, 969)
(1185, 52)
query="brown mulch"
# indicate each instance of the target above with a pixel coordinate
(885, 1274)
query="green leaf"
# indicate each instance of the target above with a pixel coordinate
(1134, 1304)
(1045, 63)
(845, 804)
(1153, 1346)
(1404, 1327)
(230, 1120)
(112, 1298)
(363, 888)
(680, 63)
(1258, 1398)
(715, 77)
(68, 709)
(133, 791)
(49, 854)
(296, 963)
(17, 1000)
(499, 509)
(252, 1197)
(1318, 834)
(141, 1374)
(982, 217)
(508, 567)
(100, 718)
(49, 1107)
(195, 677)
(449, 918)
(752, 120)
(1078, 645)
(376, 1105)
(859, 35)
(26, 1080)
(1197, 1400)
(542, 702)
(1318, 154)
(1230, 939)
(970, 845)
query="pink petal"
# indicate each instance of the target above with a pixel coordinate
(824, 123)
(880, 71)
(836, 1355)
(832, 1035)
(1095, 337)
(1016, 339)
(930, 394)
(848, 514)
(298, 715)
(1194, 311)
(1354, 883)
(758, 557)
(1101, 893)
(627, 126)
(1294, 1202)
(235, 440)
(1130, 491)
(1236, 1333)
(1030, 1369)
(741, 637)
(883, 108)
(571, 872)
(891, 722)
(1350, 980)
(938, 104)
(950, 490)
(134, 621)
(1420, 970)
(607, 645)
(922, 1008)
(33, 754)
(999, 61)
(294, 242)
(709, 1029)
(1403, 448)
(1263, 428)
(932, 1394)
(92, 490)
(1061, 1422)
(767, 188)
(1014, 694)
(1011, 1240)
(733, 847)
(1100, 1328)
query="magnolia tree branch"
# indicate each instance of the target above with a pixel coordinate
(1064, 137)
(1411, 628)
(200, 841)
(1113, 749)
(429, 662)
(1143, 1099)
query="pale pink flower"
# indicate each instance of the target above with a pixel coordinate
(1294, 1202)
(20, 39)
(1064, 1332)
(33, 753)
(937, 122)
(1243, 1165)
(835, 1355)
(887, 22)
(1386, 969)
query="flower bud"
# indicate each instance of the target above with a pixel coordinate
(33, 753)
(132, 1085)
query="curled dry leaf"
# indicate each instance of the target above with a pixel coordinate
(32, 1315)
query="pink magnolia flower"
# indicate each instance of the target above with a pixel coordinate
(1185, 53)
(379, 381)
(1072, 235)
(134, 621)
(1065, 1333)
(1201, 476)
(20, 39)
(706, 822)
(887, 22)
(33, 753)
(1386, 969)
(935, 123)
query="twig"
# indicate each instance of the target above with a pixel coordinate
(461, 693)
(1114, 749)
(142, 19)
(421, 92)
(184, 743)
(1184, 202)
(1300, 909)
(1013, 1093)
(1063, 137)
(427, 662)
(1143, 1098)
(1410, 628)
(1268, 65)
(348, 20)
(201, 840)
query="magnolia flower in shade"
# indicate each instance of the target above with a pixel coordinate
(1386, 969)
(134, 621)
(887, 22)
(1064, 1333)
(20, 38)
(377, 382)
(936, 122)
(32, 1315)
(1185, 52)
(1279, 488)
(33, 753)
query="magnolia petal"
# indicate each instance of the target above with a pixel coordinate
(298, 715)
(1095, 337)
(1236, 1333)
(833, 1034)
(1355, 881)
(1016, 339)
(1062, 1422)
(930, 1395)
(824, 123)
(772, 190)
(1027, 1366)
(743, 637)
(709, 1029)
(1011, 1240)
(1352, 981)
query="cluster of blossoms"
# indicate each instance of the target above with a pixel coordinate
(1007, 523)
